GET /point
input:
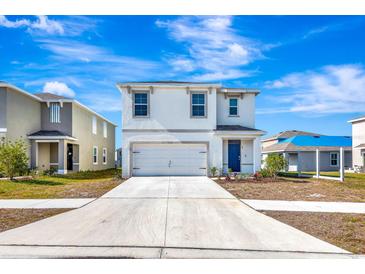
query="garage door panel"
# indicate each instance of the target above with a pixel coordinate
(169, 159)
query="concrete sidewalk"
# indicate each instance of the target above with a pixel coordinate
(44, 203)
(306, 206)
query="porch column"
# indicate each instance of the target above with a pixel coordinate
(317, 163)
(34, 154)
(62, 169)
(256, 154)
(285, 156)
(299, 168)
(342, 165)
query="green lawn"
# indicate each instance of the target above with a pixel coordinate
(86, 184)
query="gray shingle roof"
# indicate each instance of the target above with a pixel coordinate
(235, 127)
(291, 133)
(49, 96)
(49, 133)
(286, 147)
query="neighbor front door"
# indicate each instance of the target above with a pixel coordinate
(234, 155)
(69, 156)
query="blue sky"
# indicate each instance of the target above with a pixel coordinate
(310, 69)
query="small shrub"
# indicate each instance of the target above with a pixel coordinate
(257, 176)
(13, 158)
(275, 163)
(265, 173)
(213, 171)
(229, 174)
(50, 172)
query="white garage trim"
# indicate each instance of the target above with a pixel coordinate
(132, 145)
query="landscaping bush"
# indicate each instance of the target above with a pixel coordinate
(50, 172)
(213, 171)
(274, 163)
(13, 158)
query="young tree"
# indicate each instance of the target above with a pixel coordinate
(13, 158)
(275, 163)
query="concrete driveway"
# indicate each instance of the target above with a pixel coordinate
(164, 217)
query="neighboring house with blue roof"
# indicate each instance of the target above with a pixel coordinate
(358, 144)
(299, 149)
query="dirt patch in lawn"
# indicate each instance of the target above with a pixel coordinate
(346, 231)
(296, 189)
(12, 218)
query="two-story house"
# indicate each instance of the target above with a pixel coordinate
(60, 132)
(358, 143)
(185, 128)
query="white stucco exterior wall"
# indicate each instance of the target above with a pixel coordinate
(358, 137)
(167, 106)
(246, 110)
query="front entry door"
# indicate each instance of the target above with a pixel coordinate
(234, 155)
(69, 157)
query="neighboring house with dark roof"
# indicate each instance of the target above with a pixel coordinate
(185, 128)
(299, 149)
(358, 142)
(61, 133)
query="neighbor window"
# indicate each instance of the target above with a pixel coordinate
(334, 158)
(105, 154)
(95, 155)
(55, 113)
(140, 104)
(105, 130)
(233, 107)
(94, 125)
(198, 106)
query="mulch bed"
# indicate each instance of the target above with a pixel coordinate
(12, 218)
(344, 230)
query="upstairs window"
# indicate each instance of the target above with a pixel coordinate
(105, 130)
(233, 107)
(334, 159)
(55, 113)
(94, 125)
(140, 107)
(198, 105)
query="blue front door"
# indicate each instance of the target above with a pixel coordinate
(234, 155)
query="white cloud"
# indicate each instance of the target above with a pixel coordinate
(58, 88)
(330, 89)
(213, 46)
(42, 24)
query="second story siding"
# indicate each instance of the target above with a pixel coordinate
(169, 108)
(65, 118)
(245, 114)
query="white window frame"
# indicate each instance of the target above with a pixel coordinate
(105, 155)
(337, 158)
(105, 130)
(135, 104)
(55, 113)
(229, 107)
(205, 105)
(94, 125)
(97, 152)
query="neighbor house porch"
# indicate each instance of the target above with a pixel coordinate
(54, 150)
